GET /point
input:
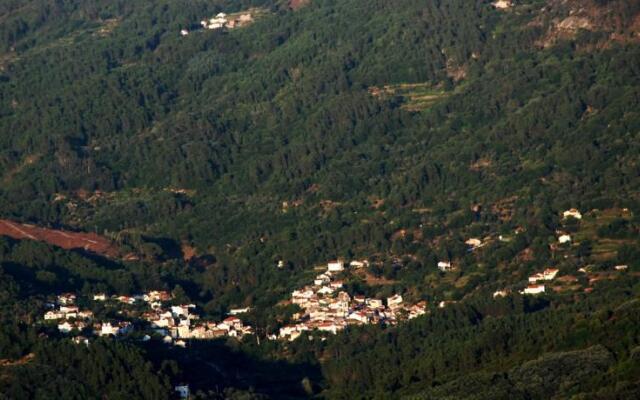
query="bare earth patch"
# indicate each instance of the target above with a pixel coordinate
(22, 361)
(91, 242)
(297, 4)
(188, 252)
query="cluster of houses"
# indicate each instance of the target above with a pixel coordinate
(68, 314)
(574, 213)
(222, 20)
(534, 286)
(326, 307)
(174, 323)
(177, 323)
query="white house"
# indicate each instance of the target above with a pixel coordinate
(329, 326)
(184, 32)
(115, 329)
(86, 314)
(215, 25)
(574, 213)
(335, 266)
(336, 285)
(621, 267)
(394, 301)
(550, 274)
(53, 315)
(69, 309)
(359, 264)
(65, 327)
(321, 279)
(236, 311)
(500, 293)
(287, 330)
(473, 242)
(126, 299)
(108, 329)
(564, 239)
(157, 296)
(180, 310)
(99, 297)
(533, 289)
(223, 326)
(445, 266)
(233, 321)
(326, 290)
(502, 4)
(162, 323)
(417, 310)
(374, 303)
(547, 275)
(344, 296)
(536, 277)
(66, 298)
(184, 331)
(359, 316)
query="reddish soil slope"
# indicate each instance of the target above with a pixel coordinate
(65, 239)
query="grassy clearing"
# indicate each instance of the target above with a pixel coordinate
(604, 249)
(416, 97)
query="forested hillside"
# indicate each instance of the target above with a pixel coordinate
(225, 164)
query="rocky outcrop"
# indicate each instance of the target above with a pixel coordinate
(616, 21)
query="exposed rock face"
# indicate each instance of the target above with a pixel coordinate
(618, 20)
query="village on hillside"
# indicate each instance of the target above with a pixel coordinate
(227, 21)
(154, 318)
(328, 308)
(538, 282)
(325, 304)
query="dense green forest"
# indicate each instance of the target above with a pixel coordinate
(391, 131)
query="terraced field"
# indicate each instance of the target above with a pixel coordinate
(415, 96)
